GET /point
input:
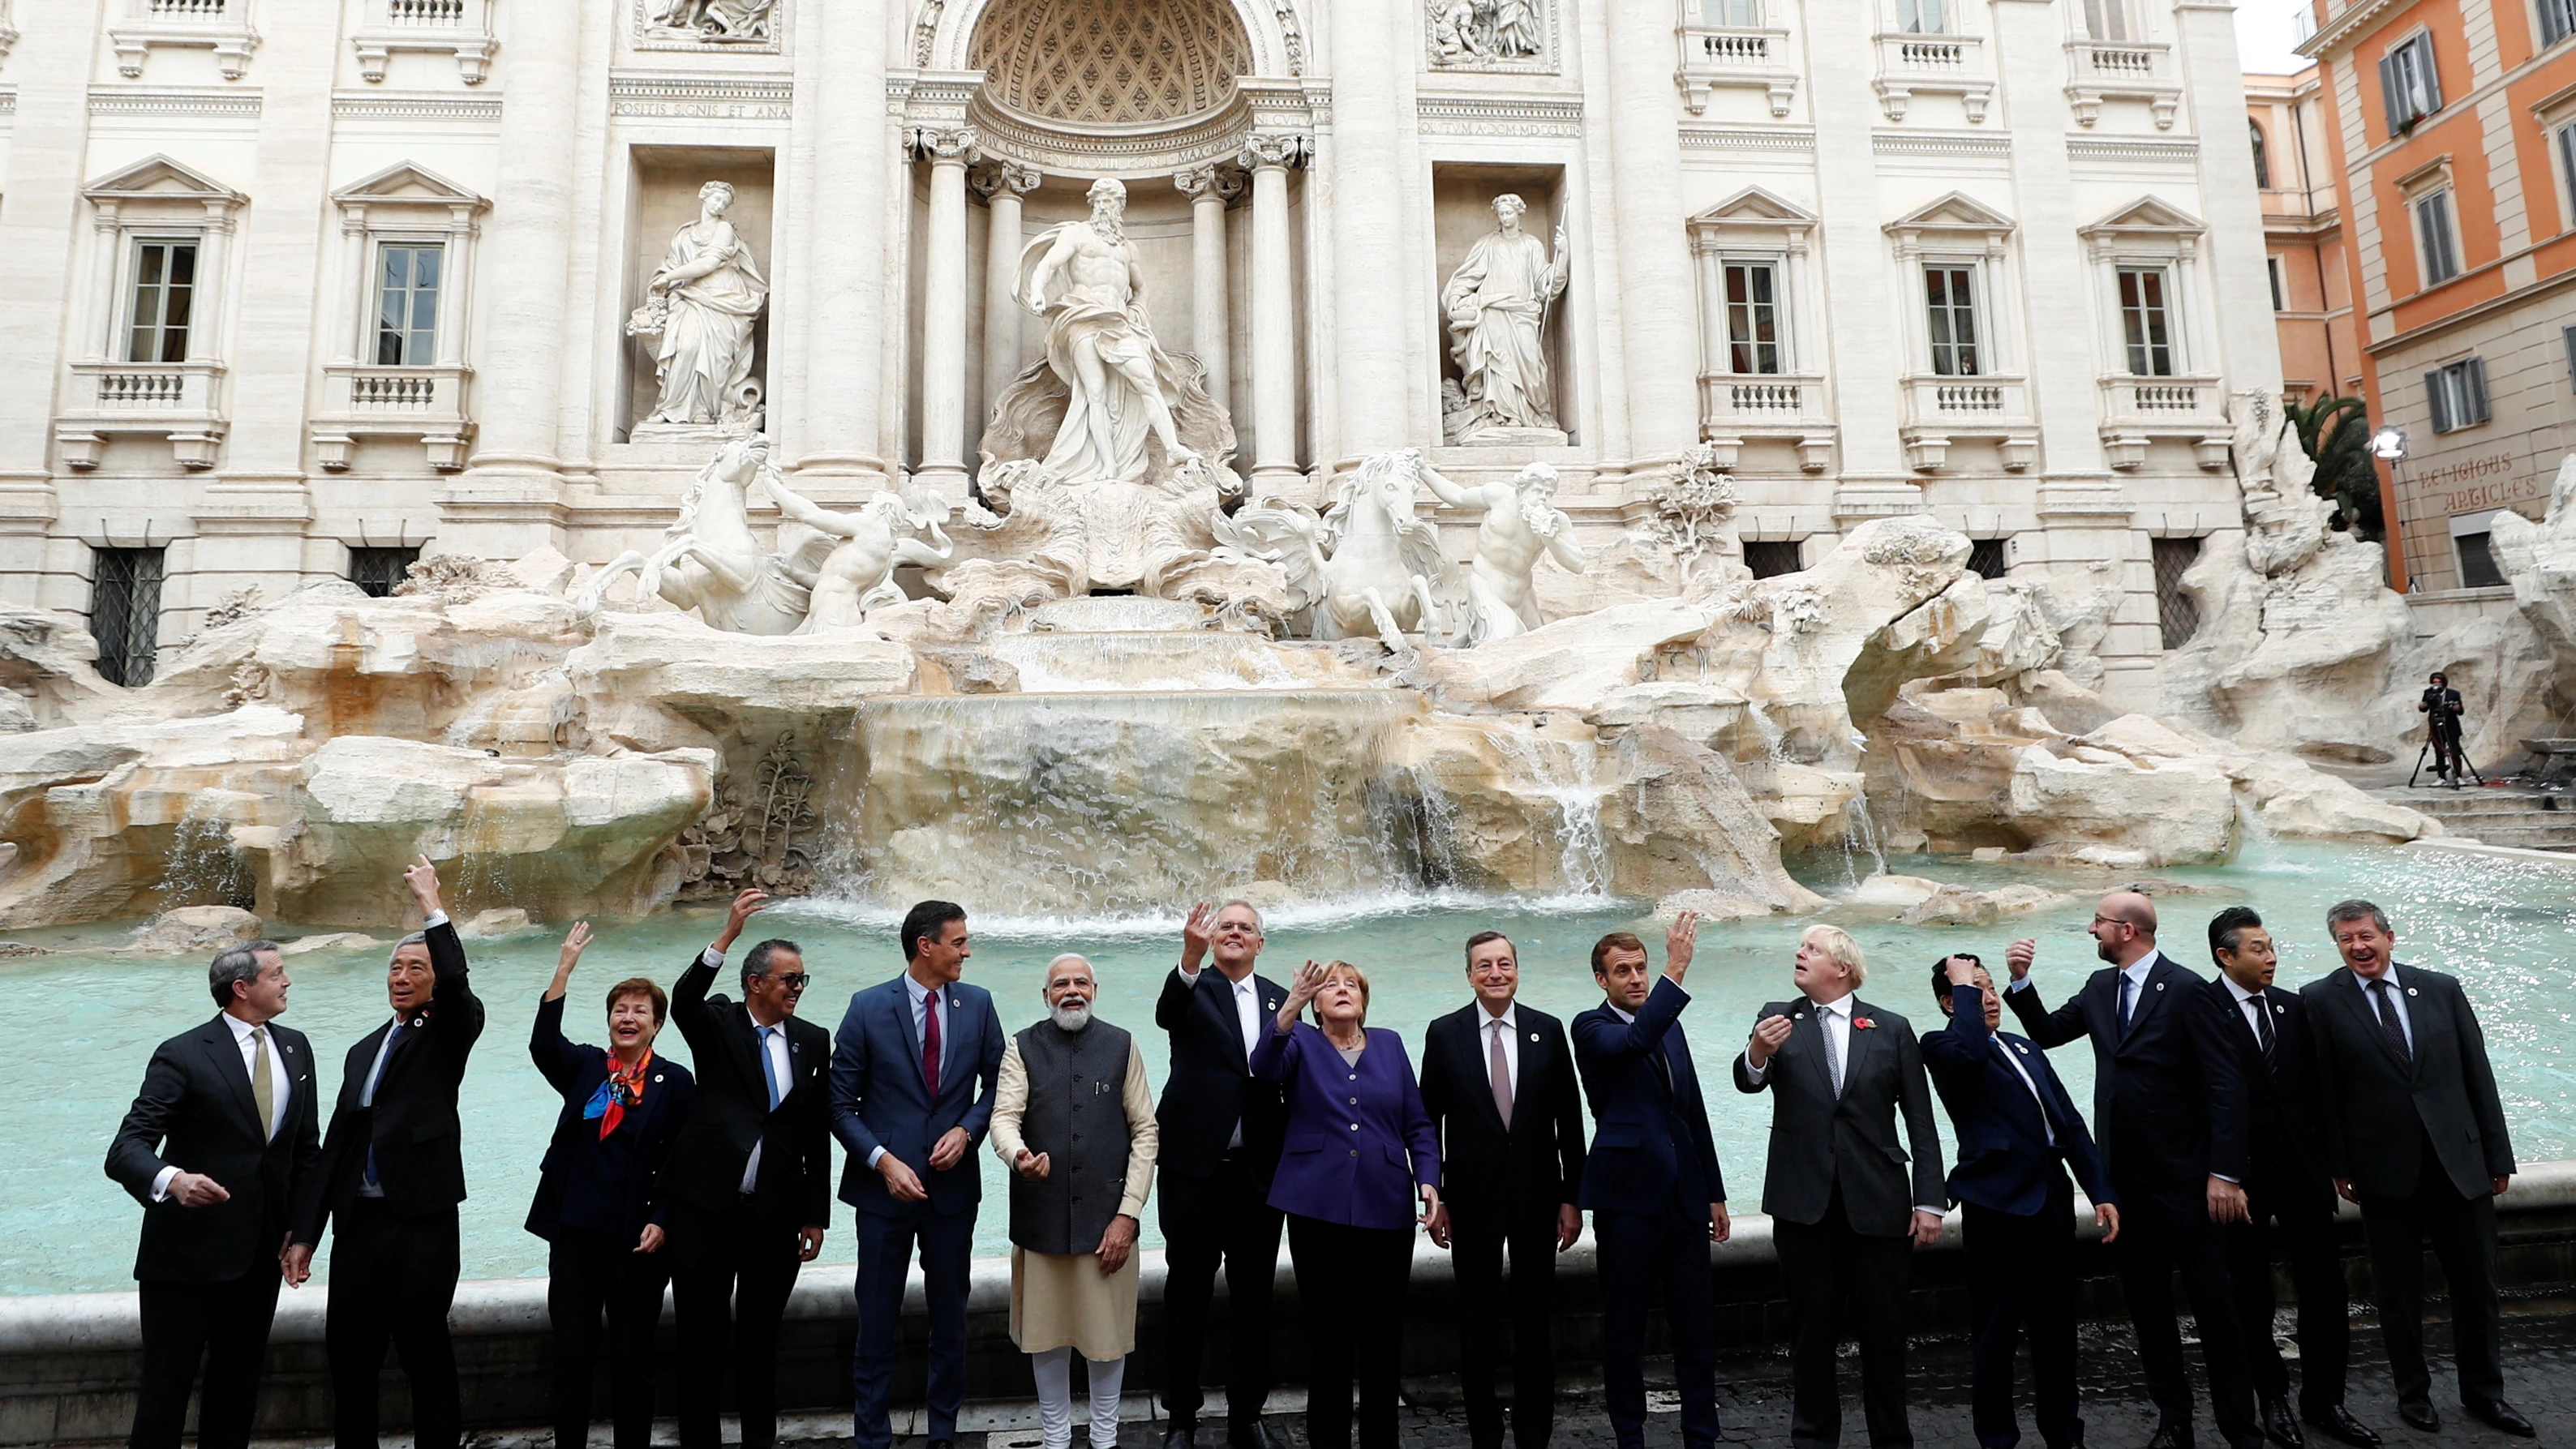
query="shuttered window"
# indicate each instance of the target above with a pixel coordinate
(2408, 85)
(2436, 241)
(2458, 394)
(2557, 20)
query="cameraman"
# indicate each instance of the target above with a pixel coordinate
(2440, 707)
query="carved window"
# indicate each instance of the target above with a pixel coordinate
(1950, 307)
(408, 277)
(165, 288)
(2437, 241)
(125, 612)
(1754, 338)
(1923, 17)
(2457, 394)
(2146, 323)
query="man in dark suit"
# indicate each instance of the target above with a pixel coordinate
(749, 1181)
(1844, 1214)
(392, 1171)
(2285, 1183)
(1498, 1081)
(2170, 1105)
(1221, 1134)
(1651, 1181)
(914, 1069)
(2415, 1134)
(214, 1147)
(2018, 1135)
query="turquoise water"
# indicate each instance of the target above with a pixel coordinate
(82, 1024)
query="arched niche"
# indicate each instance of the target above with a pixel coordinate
(945, 32)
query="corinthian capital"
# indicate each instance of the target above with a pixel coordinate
(1008, 176)
(944, 145)
(1218, 180)
(1271, 150)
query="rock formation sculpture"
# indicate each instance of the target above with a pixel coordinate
(697, 315)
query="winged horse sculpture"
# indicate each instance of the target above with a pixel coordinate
(1368, 564)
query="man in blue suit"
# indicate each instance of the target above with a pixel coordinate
(2018, 1132)
(913, 1074)
(1651, 1180)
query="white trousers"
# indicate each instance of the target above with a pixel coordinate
(1055, 1397)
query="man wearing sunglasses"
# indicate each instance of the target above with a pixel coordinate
(749, 1180)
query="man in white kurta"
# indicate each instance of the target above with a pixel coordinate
(1497, 305)
(1073, 1119)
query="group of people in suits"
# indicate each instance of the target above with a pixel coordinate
(2231, 1115)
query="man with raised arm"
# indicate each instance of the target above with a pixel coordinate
(1651, 1180)
(2169, 1105)
(1221, 1129)
(749, 1182)
(390, 1176)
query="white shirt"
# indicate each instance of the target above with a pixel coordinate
(1834, 1016)
(1247, 1016)
(924, 1001)
(2396, 998)
(2246, 1006)
(278, 1086)
(2136, 971)
(773, 1039)
(2012, 1055)
(1509, 1025)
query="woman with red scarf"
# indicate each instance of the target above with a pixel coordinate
(597, 1200)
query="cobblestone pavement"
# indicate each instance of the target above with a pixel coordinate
(1753, 1401)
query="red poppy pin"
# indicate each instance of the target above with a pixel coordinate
(1862, 1023)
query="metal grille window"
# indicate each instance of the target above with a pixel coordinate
(1950, 299)
(1752, 318)
(2457, 394)
(165, 285)
(1990, 558)
(2435, 241)
(1923, 17)
(2478, 568)
(2176, 614)
(2557, 20)
(377, 570)
(2144, 323)
(125, 612)
(1771, 557)
(407, 280)
(2409, 86)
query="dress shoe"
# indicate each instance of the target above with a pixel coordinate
(1181, 1435)
(2499, 1415)
(943, 1444)
(2171, 1436)
(1253, 1435)
(2419, 1415)
(2340, 1424)
(2281, 1426)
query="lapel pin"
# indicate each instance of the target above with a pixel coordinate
(657, 1076)
(1797, 1016)
(2410, 990)
(2160, 986)
(2017, 1046)
(1533, 1036)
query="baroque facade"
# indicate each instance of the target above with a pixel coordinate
(298, 287)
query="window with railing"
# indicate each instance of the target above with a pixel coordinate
(1753, 333)
(407, 285)
(2409, 85)
(1731, 14)
(2109, 20)
(2437, 240)
(165, 285)
(2457, 394)
(1950, 300)
(125, 612)
(2146, 324)
(1923, 17)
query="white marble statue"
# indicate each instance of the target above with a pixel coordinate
(1369, 564)
(1468, 32)
(710, 560)
(857, 575)
(1123, 386)
(1497, 304)
(713, 20)
(1522, 524)
(698, 310)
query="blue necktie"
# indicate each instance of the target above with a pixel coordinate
(769, 1067)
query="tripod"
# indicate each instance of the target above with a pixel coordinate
(2450, 763)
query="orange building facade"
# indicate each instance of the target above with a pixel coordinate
(2448, 132)
(2303, 235)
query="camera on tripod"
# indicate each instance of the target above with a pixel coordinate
(2440, 705)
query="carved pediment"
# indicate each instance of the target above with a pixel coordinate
(1754, 206)
(408, 185)
(158, 178)
(2147, 215)
(1956, 212)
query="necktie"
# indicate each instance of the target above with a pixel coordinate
(2389, 1025)
(769, 1067)
(2128, 1000)
(262, 1094)
(367, 1098)
(1500, 1068)
(1663, 1065)
(930, 1042)
(1833, 1048)
(2263, 1033)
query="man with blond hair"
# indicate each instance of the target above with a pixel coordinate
(1074, 1123)
(1845, 1209)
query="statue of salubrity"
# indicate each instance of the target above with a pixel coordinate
(697, 315)
(1496, 304)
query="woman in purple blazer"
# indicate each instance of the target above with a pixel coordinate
(1360, 1151)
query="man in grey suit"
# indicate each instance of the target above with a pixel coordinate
(2415, 1134)
(1845, 1209)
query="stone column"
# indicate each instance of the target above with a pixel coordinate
(509, 499)
(1274, 339)
(949, 150)
(1209, 188)
(1372, 49)
(1005, 185)
(1654, 248)
(41, 233)
(842, 305)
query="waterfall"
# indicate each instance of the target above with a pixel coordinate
(204, 868)
(1563, 772)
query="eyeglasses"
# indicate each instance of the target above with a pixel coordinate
(2108, 921)
(792, 980)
